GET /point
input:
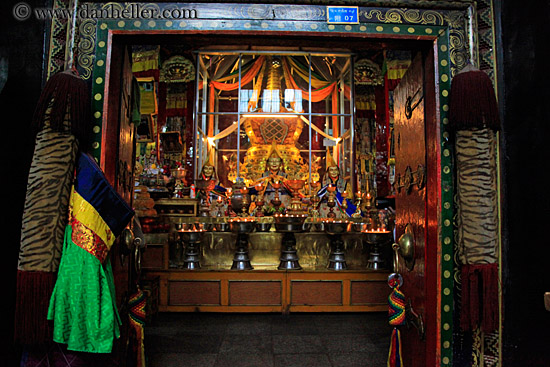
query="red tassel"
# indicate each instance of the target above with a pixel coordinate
(474, 306)
(34, 289)
(472, 102)
(490, 298)
(479, 306)
(65, 92)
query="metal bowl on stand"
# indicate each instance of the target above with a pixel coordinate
(334, 229)
(376, 239)
(289, 225)
(263, 226)
(191, 237)
(242, 227)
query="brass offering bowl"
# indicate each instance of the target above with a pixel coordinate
(191, 237)
(190, 232)
(376, 239)
(263, 227)
(291, 223)
(242, 225)
(296, 203)
(335, 227)
(295, 185)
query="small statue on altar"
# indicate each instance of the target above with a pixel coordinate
(212, 194)
(333, 195)
(178, 190)
(276, 195)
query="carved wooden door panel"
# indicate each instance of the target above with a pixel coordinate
(118, 163)
(416, 201)
(126, 144)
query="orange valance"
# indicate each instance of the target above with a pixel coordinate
(247, 78)
(317, 95)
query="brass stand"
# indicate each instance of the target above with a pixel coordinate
(337, 259)
(289, 256)
(334, 230)
(242, 227)
(192, 240)
(241, 261)
(289, 225)
(376, 239)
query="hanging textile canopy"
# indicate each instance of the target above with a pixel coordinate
(247, 77)
(322, 88)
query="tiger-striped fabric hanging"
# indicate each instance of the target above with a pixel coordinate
(478, 227)
(477, 196)
(47, 200)
(473, 115)
(61, 123)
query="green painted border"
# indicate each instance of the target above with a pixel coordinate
(446, 210)
(445, 71)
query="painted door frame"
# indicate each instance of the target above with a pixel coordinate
(451, 29)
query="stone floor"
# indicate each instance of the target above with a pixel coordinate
(267, 340)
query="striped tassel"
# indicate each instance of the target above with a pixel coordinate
(396, 302)
(396, 307)
(137, 304)
(394, 356)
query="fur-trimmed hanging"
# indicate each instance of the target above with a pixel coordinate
(473, 115)
(472, 102)
(61, 125)
(65, 93)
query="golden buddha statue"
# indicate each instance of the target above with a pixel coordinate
(282, 128)
(275, 194)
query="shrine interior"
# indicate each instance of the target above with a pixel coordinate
(234, 159)
(518, 35)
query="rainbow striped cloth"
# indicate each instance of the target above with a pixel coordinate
(83, 303)
(97, 208)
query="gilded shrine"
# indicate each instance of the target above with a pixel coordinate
(282, 178)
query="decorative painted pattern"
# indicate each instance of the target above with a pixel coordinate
(58, 39)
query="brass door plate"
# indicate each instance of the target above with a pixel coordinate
(407, 247)
(547, 301)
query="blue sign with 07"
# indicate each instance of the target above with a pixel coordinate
(343, 14)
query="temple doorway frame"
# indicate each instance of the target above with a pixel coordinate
(451, 28)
